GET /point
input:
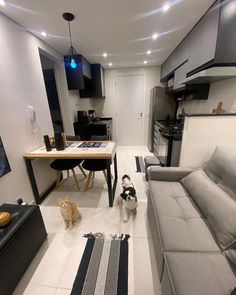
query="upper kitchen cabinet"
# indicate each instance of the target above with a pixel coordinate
(98, 81)
(94, 88)
(175, 60)
(201, 41)
(226, 41)
(76, 77)
(179, 75)
(210, 43)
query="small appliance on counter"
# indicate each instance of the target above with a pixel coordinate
(82, 117)
(92, 115)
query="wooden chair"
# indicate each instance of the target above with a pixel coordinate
(93, 165)
(68, 164)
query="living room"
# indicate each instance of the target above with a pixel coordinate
(127, 49)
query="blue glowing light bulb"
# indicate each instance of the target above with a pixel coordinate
(73, 63)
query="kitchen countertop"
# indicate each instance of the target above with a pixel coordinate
(104, 119)
(208, 114)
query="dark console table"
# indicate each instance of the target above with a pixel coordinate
(19, 242)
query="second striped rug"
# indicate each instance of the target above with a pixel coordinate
(104, 266)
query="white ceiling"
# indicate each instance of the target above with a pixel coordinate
(122, 28)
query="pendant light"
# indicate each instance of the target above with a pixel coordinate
(71, 52)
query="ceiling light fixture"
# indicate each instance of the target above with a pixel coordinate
(2, 3)
(105, 55)
(154, 36)
(149, 52)
(44, 34)
(70, 56)
(145, 62)
(110, 64)
(165, 7)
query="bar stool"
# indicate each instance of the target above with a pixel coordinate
(93, 165)
(68, 164)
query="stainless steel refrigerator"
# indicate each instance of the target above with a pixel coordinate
(162, 107)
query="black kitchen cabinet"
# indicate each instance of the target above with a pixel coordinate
(98, 80)
(94, 88)
(77, 77)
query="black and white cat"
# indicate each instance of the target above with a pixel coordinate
(129, 198)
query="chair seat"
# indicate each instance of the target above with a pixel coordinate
(94, 165)
(65, 164)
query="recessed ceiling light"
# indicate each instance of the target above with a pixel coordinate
(154, 36)
(145, 62)
(149, 52)
(165, 7)
(110, 64)
(44, 34)
(2, 3)
(104, 54)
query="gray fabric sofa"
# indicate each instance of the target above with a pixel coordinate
(192, 220)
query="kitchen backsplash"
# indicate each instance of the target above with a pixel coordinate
(84, 104)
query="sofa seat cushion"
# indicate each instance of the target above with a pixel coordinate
(216, 205)
(199, 273)
(186, 234)
(181, 227)
(171, 199)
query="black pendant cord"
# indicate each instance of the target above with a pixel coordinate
(70, 35)
(69, 17)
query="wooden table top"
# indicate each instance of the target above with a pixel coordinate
(106, 151)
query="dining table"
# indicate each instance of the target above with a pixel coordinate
(105, 150)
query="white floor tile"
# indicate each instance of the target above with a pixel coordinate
(72, 265)
(143, 282)
(39, 290)
(51, 268)
(63, 292)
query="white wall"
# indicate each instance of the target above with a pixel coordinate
(224, 91)
(201, 136)
(22, 84)
(106, 107)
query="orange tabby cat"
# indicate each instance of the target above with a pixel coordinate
(69, 212)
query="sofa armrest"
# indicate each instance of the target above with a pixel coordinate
(167, 173)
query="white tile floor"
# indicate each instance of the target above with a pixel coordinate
(53, 270)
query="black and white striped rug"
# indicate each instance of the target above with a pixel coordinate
(104, 266)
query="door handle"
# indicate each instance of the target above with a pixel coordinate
(140, 114)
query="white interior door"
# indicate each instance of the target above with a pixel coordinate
(129, 109)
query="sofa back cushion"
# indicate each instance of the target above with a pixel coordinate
(216, 206)
(221, 168)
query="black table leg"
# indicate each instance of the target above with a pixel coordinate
(116, 176)
(109, 184)
(111, 187)
(38, 198)
(32, 180)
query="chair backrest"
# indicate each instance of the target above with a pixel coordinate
(73, 137)
(100, 137)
